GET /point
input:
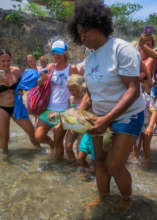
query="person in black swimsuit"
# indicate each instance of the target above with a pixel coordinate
(3, 89)
(8, 83)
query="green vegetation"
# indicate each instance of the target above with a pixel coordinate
(125, 22)
(59, 9)
(35, 10)
(16, 16)
(123, 15)
(37, 53)
(121, 11)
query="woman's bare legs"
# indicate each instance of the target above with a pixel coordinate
(147, 151)
(115, 161)
(102, 175)
(4, 130)
(59, 134)
(29, 129)
(41, 134)
(137, 150)
(70, 138)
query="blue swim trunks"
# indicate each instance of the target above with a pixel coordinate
(132, 125)
(86, 145)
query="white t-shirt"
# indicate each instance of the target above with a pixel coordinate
(103, 69)
(59, 90)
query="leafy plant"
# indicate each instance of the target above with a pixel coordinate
(15, 17)
(37, 53)
(59, 9)
(121, 12)
(36, 10)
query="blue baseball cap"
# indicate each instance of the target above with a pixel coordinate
(59, 46)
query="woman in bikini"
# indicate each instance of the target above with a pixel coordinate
(9, 78)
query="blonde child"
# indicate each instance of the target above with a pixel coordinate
(77, 88)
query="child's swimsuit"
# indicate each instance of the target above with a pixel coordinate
(86, 145)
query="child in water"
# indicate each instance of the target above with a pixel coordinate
(77, 88)
(85, 148)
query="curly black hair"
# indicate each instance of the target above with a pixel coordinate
(90, 14)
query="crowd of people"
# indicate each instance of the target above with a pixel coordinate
(117, 81)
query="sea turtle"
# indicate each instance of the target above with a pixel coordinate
(75, 120)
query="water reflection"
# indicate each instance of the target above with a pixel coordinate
(33, 187)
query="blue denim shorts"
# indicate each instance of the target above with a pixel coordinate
(132, 125)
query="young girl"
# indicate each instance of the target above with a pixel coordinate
(77, 88)
(86, 147)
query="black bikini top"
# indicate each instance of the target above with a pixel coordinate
(5, 88)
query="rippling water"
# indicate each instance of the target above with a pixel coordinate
(34, 187)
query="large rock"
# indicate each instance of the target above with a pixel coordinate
(34, 33)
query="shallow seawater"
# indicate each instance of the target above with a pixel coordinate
(35, 187)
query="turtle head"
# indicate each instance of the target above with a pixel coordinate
(54, 117)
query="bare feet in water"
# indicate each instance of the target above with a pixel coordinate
(97, 201)
(123, 205)
(5, 151)
(147, 163)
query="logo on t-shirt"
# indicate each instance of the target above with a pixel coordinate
(95, 74)
(59, 80)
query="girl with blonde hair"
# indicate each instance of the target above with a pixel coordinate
(77, 87)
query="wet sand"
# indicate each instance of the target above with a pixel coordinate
(33, 187)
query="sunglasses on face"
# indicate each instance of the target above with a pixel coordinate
(54, 53)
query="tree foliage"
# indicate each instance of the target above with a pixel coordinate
(36, 10)
(152, 20)
(122, 14)
(60, 9)
(120, 11)
(16, 16)
(57, 9)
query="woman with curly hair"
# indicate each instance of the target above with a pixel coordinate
(112, 77)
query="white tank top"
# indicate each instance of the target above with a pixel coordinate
(59, 91)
